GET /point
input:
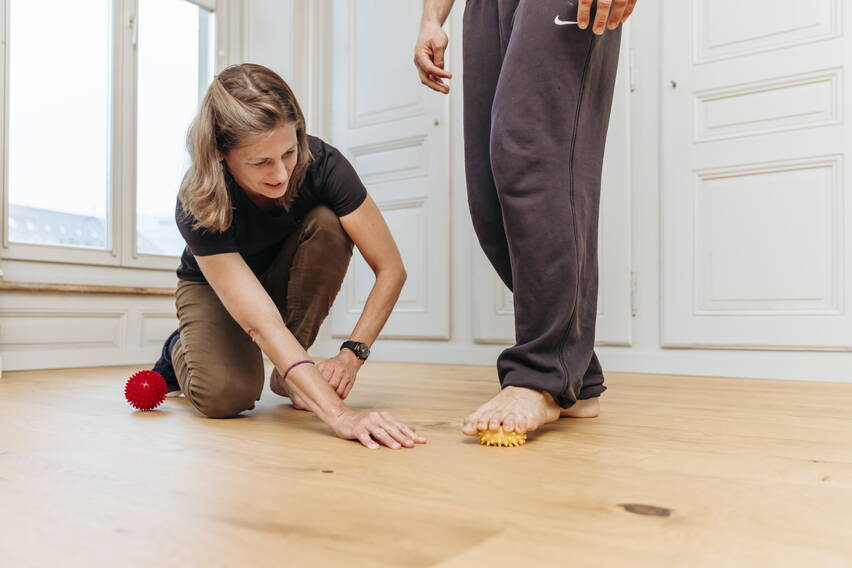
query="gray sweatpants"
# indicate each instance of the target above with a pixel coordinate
(537, 99)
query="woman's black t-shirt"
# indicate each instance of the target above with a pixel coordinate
(258, 234)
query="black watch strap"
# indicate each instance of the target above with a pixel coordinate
(361, 350)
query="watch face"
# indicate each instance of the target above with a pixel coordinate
(360, 349)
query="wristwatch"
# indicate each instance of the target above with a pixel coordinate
(359, 349)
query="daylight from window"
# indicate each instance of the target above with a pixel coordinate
(175, 67)
(59, 105)
(59, 119)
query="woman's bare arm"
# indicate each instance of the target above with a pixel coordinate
(251, 307)
(368, 230)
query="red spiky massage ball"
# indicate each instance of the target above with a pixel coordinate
(145, 390)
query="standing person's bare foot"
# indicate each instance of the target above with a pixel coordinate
(588, 408)
(523, 410)
(514, 408)
(280, 388)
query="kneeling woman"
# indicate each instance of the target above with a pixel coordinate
(269, 215)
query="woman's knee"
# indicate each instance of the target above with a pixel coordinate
(222, 397)
(323, 226)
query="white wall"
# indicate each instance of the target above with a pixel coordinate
(644, 354)
(269, 36)
(293, 38)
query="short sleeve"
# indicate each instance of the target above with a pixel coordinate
(339, 186)
(202, 241)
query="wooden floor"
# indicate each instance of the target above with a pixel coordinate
(676, 471)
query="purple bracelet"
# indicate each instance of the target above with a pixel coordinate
(296, 365)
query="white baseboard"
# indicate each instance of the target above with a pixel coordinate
(70, 358)
(833, 367)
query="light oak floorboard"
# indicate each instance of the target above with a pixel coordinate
(677, 471)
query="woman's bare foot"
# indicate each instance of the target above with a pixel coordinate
(514, 408)
(280, 388)
(588, 408)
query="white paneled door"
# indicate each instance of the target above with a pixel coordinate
(493, 313)
(395, 132)
(756, 248)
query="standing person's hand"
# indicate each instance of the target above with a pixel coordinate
(340, 371)
(429, 57)
(376, 428)
(610, 13)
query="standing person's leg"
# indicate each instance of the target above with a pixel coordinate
(549, 121)
(487, 31)
(306, 277)
(218, 366)
(487, 28)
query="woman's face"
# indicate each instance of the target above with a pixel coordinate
(262, 166)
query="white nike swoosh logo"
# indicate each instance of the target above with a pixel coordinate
(559, 22)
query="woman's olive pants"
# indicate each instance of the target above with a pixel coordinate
(218, 366)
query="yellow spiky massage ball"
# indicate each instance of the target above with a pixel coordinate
(500, 438)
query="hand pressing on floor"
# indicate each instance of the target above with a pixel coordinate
(376, 428)
(373, 429)
(519, 409)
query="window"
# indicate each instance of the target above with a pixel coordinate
(175, 68)
(99, 97)
(59, 121)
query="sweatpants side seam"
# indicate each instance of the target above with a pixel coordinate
(567, 377)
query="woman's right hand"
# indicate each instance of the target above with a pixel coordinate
(376, 426)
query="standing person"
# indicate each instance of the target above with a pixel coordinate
(538, 88)
(270, 216)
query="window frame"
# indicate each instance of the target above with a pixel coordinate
(122, 196)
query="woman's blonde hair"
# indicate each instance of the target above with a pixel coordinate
(242, 102)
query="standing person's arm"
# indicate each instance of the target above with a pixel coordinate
(369, 231)
(252, 308)
(431, 45)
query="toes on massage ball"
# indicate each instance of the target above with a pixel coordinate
(500, 438)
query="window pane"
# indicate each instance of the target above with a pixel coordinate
(59, 105)
(175, 67)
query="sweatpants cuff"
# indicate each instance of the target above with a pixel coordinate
(585, 394)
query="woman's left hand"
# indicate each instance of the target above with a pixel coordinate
(340, 371)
